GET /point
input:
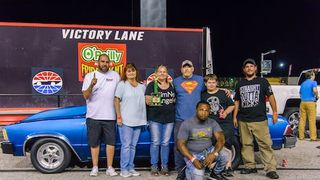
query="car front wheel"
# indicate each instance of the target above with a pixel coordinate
(50, 155)
(293, 118)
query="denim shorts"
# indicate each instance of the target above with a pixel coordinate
(101, 131)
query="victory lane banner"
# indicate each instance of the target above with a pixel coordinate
(75, 50)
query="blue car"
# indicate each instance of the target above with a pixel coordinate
(56, 138)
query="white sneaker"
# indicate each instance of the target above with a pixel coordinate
(125, 174)
(94, 171)
(111, 172)
(134, 172)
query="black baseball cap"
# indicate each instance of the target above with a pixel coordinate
(249, 60)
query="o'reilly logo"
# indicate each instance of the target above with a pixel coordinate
(92, 53)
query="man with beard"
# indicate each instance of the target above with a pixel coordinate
(98, 89)
(250, 110)
(188, 89)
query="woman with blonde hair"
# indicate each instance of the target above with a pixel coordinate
(161, 116)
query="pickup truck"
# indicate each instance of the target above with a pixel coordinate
(288, 100)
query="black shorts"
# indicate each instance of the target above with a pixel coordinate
(101, 131)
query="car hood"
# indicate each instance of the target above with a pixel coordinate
(72, 112)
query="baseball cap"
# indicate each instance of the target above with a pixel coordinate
(249, 60)
(186, 62)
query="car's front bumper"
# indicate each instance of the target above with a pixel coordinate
(7, 147)
(290, 141)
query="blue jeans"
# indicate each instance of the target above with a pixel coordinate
(192, 173)
(129, 137)
(160, 136)
(178, 157)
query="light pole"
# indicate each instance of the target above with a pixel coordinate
(262, 55)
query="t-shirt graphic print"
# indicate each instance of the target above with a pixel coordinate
(215, 105)
(250, 95)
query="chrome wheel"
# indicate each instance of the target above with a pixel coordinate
(293, 120)
(50, 155)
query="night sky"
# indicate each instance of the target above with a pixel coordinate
(239, 29)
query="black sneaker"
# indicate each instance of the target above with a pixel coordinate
(248, 170)
(227, 172)
(272, 175)
(217, 176)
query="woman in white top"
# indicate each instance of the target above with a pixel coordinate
(131, 117)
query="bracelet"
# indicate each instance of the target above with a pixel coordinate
(192, 159)
(119, 117)
(275, 113)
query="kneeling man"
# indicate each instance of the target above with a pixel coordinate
(195, 143)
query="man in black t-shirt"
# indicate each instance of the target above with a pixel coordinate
(250, 110)
(221, 107)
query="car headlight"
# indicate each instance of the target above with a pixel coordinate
(5, 135)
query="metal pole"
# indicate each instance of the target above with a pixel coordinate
(261, 65)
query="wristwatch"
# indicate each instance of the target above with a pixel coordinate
(216, 154)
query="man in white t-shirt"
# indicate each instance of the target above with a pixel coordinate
(98, 89)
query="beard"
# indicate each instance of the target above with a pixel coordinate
(103, 68)
(250, 74)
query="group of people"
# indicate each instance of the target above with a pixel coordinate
(201, 116)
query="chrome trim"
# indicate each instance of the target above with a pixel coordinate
(286, 129)
(61, 137)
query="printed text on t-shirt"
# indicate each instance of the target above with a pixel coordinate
(250, 95)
